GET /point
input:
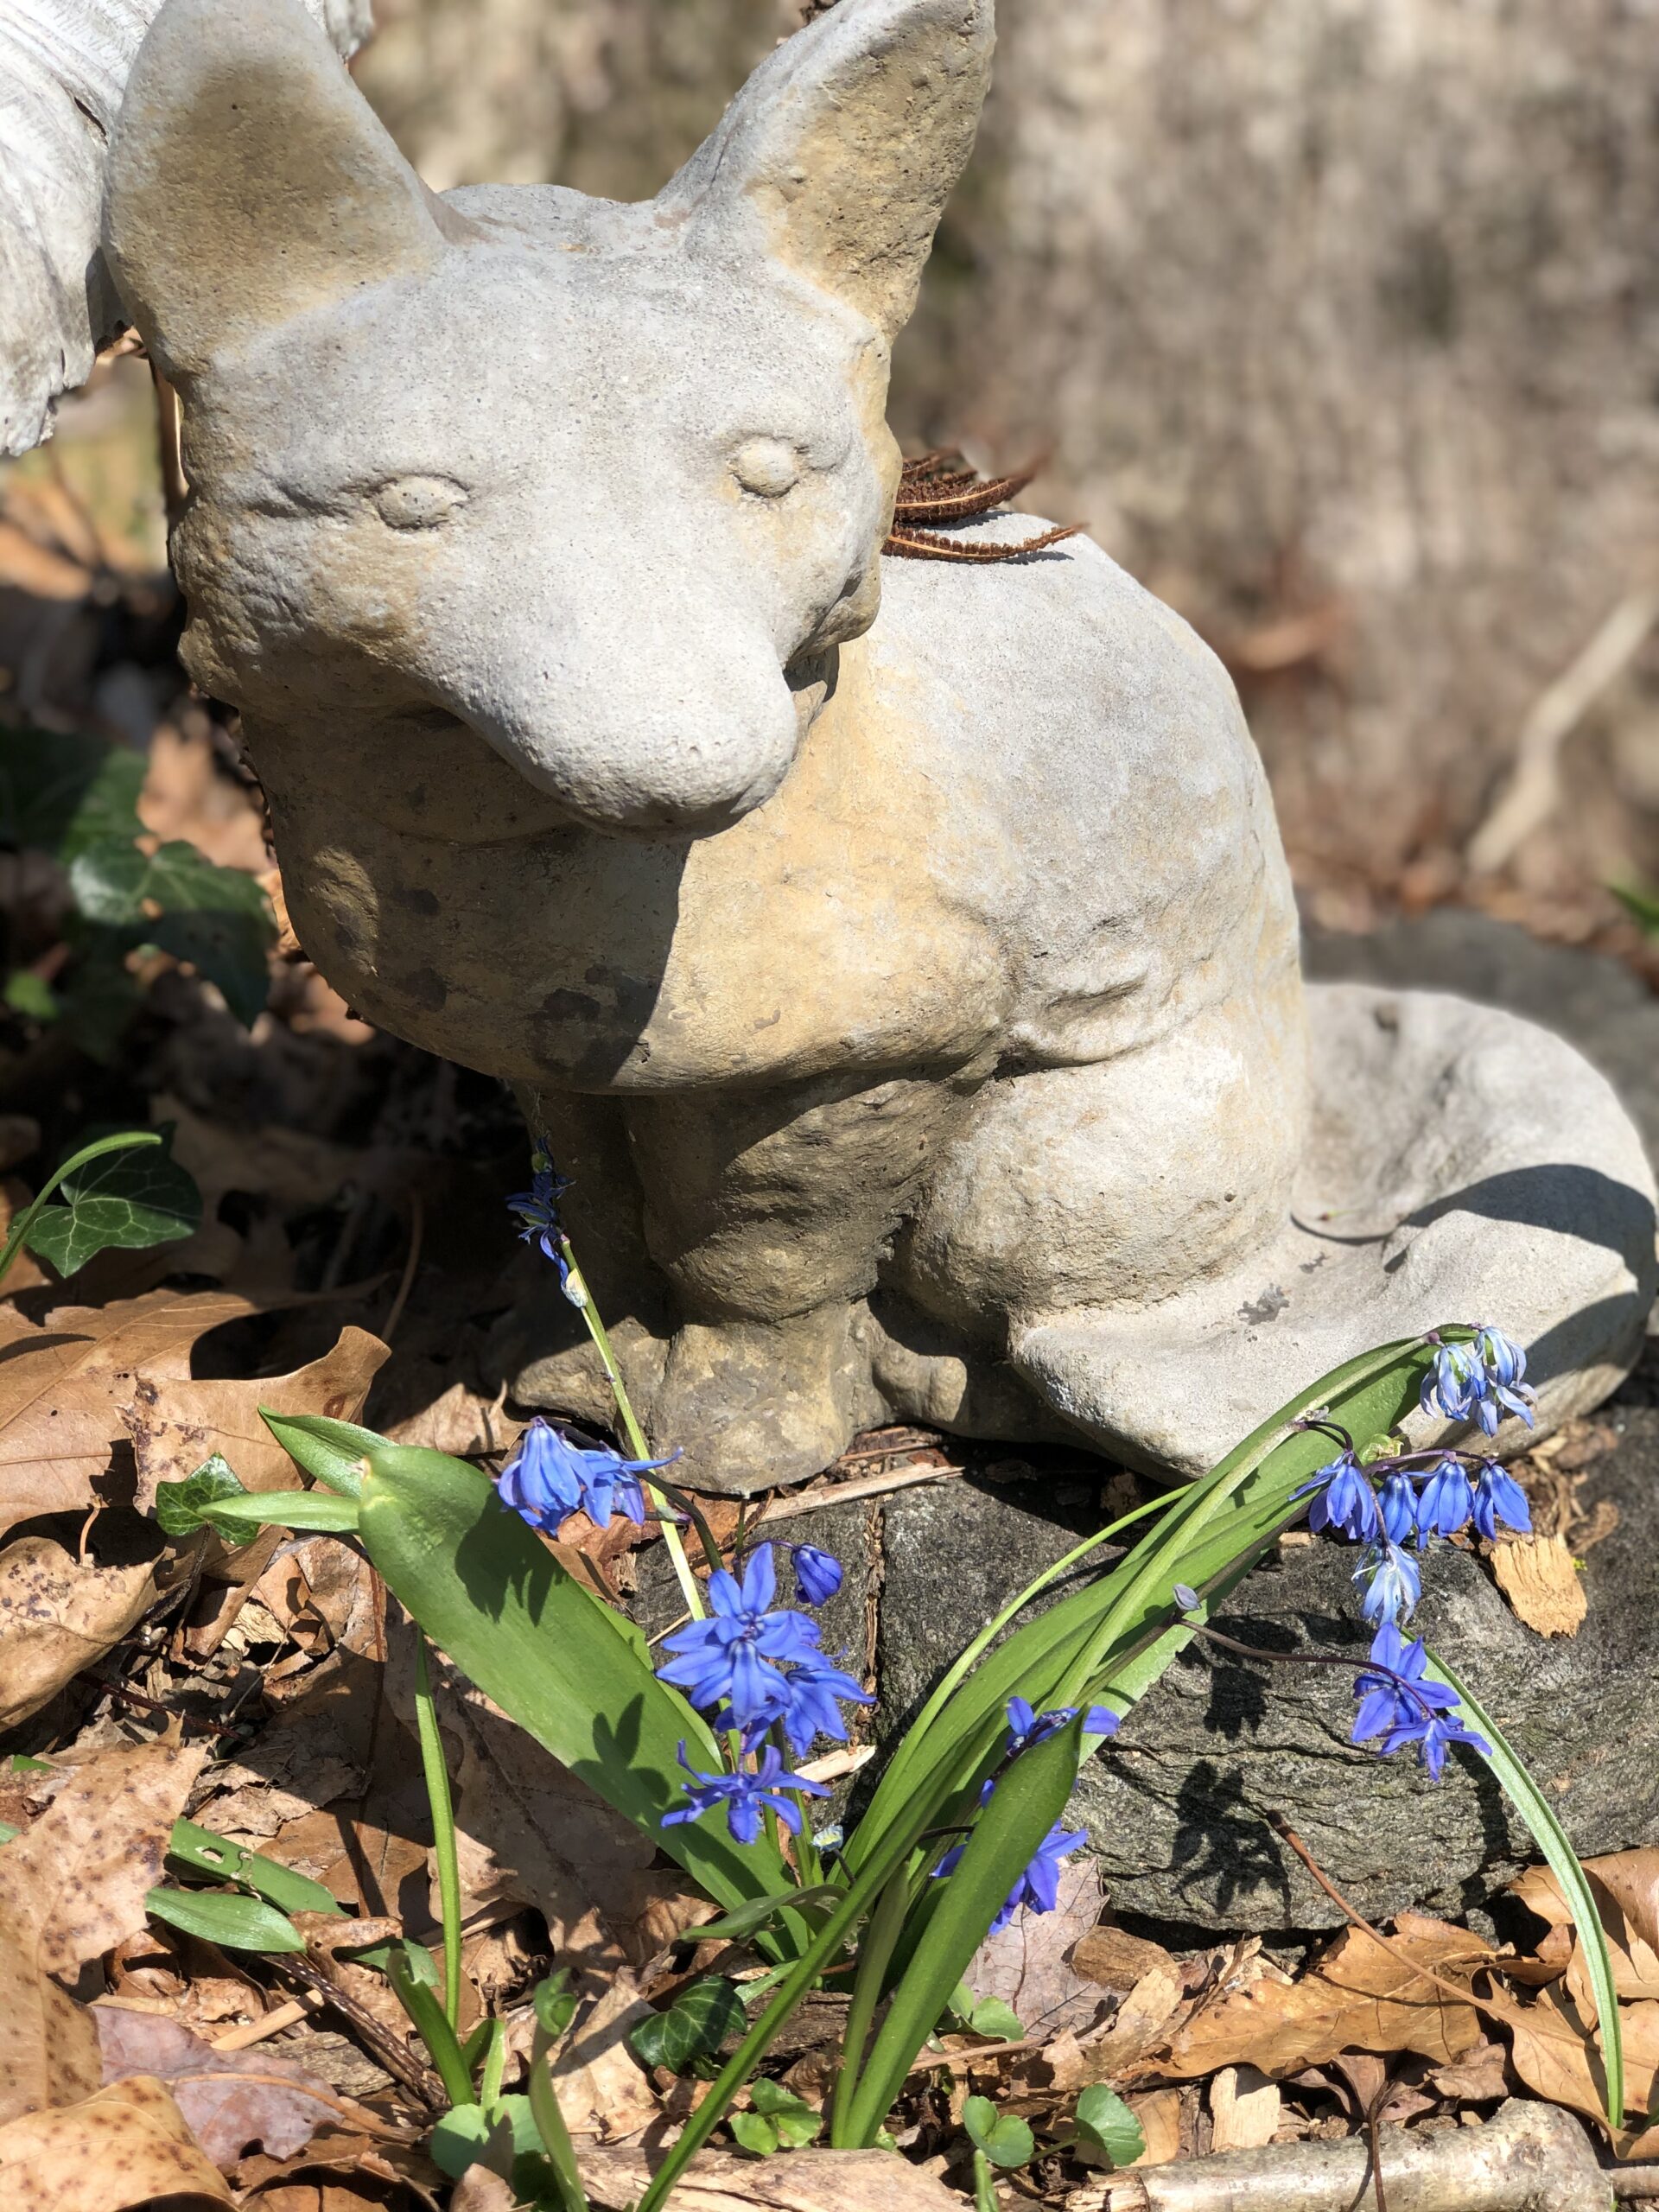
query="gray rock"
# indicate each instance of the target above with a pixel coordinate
(1177, 1805)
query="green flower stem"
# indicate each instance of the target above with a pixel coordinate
(126, 1140)
(550, 2124)
(582, 1298)
(443, 1830)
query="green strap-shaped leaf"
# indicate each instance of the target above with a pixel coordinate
(204, 1852)
(554, 1656)
(1024, 1806)
(330, 1452)
(1552, 1839)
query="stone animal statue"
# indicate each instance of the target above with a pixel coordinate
(64, 66)
(901, 960)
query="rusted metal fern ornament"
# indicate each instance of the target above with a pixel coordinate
(939, 488)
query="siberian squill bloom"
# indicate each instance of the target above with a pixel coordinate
(745, 1795)
(731, 1659)
(1499, 1497)
(537, 1210)
(1397, 1503)
(1026, 1727)
(1038, 1886)
(1343, 1499)
(1447, 1501)
(555, 1472)
(817, 1574)
(1391, 1582)
(1479, 1382)
(1399, 1702)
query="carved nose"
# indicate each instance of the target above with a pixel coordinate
(626, 748)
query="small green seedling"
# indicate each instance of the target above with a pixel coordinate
(780, 2121)
(1002, 2138)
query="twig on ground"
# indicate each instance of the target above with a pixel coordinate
(823, 1493)
(411, 1261)
(420, 2081)
(282, 2016)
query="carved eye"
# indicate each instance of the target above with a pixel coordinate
(766, 467)
(418, 502)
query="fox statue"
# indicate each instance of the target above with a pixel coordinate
(900, 959)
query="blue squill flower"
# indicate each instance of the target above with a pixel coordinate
(1026, 1727)
(1397, 1503)
(817, 1574)
(1433, 1738)
(732, 1659)
(745, 1795)
(1447, 1501)
(1393, 1585)
(555, 1472)
(1343, 1499)
(809, 1704)
(1037, 1888)
(1479, 1382)
(537, 1210)
(1499, 1497)
(1392, 1691)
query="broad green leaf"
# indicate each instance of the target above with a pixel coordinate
(182, 1508)
(756, 2132)
(471, 2135)
(793, 2120)
(555, 2004)
(217, 918)
(989, 2016)
(204, 1852)
(1005, 2140)
(1552, 1839)
(554, 1657)
(1024, 1806)
(235, 1922)
(29, 994)
(62, 791)
(330, 1452)
(694, 2027)
(98, 998)
(1108, 2135)
(130, 1199)
(107, 881)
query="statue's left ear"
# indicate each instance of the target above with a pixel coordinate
(838, 155)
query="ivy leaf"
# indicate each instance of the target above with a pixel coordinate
(61, 792)
(217, 918)
(182, 1508)
(1108, 2135)
(131, 1199)
(694, 2027)
(1005, 2140)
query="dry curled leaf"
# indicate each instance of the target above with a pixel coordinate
(119, 2149)
(1360, 1995)
(70, 1885)
(1116, 1960)
(1625, 1887)
(58, 1615)
(1143, 2023)
(806, 2181)
(61, 1388)
(1556, 2056)
(174, 1424)
(1543, 1586)
(235, 2101)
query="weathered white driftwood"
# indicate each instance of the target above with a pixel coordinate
(64, 66)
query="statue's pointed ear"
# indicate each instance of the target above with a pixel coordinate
(839, 153)
(248, 179)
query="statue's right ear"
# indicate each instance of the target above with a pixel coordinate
(249, 179)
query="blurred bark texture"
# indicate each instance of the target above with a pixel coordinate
(1338, 319)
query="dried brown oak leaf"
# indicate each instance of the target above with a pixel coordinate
(174, 1424)
(1143, 2023)
(1355, 1997)
(806, 2181)
(61, 1388)
(1625, 1885)
(1031, 1965)
(235, 2101)
(1552, 2052)
(70, 1885)
(58, 1615)
(119, 2149)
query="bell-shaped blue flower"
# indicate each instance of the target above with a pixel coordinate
(1479, 1382)
(1397, 1502)
(1037, 1888)
(817, 1574)
(732, 1659)
(1026, 1727)
(1447, 1500)
(1499, 1497)
(1343, 1500)
(745, 1795)
(537, 1210)
(555, 1472)
(1391, 1582)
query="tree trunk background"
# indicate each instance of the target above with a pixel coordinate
(1339, 321)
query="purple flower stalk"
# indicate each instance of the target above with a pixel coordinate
(537, 1210)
